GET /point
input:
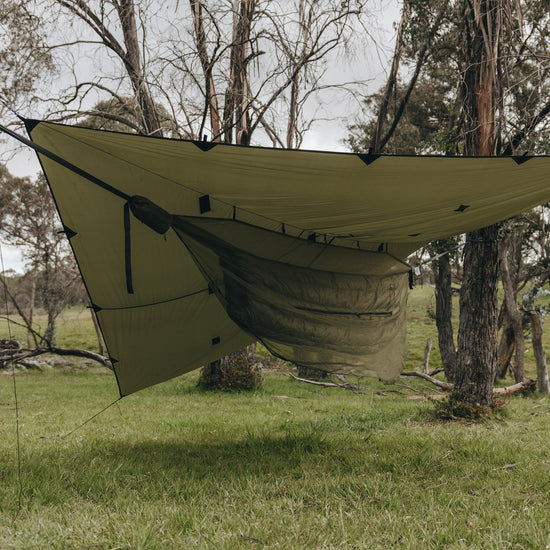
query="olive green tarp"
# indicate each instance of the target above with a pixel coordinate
(191, 250)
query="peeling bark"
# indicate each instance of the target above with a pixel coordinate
(478, 331)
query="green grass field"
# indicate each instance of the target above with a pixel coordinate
(290, 466)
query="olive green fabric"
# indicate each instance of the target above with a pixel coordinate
(204, 247)
(336, 309)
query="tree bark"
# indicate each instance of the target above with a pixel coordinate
(478, 329)
(513, 314)
(237, 109)
(426, 361)
(543, 384)
(505, 348)
(211, 98)
(443, 316)
(477, 337)
(132, 61)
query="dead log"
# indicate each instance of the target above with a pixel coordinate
(20, 354)
(77, 352)
(527, 386)
(521, 387)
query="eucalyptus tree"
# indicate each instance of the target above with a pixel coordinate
(480, 88)
(224, 69)
(28, 220)
(23, 56)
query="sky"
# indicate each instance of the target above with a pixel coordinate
(328, 134)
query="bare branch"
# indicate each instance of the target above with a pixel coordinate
(345, 384)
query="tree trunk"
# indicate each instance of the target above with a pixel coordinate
(132, 62)
(443, 316)
(292, 113)
(543, 384)
(211, 98)
(514, 315)
(426, 361)
(237, 109)
(478, 329)
(31, 311)
(505, 349)
(477, 337)
(49, 333)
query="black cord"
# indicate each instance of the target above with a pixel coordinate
(91, 418)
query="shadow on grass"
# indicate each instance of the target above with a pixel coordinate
(93, 467)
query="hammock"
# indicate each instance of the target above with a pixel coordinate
(192, 250)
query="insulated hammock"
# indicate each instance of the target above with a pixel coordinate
(192, 250)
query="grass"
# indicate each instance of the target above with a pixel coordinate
(74, 328)
(289, 466)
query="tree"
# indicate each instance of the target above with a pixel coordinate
(23, 58)
(445, 249)
(225, 69)
(28, 220)
(491, 98)
(122, 14)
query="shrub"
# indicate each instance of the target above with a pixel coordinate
(236, 372)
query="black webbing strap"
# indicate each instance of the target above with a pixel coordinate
(128, 249)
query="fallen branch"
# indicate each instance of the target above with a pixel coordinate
(521, 387)
(526, 386)
(345, 384)
(105, 361)
(436, 371)
(14, 356)
(438, 383)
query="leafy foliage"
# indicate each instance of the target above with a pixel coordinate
(433, 120)
(23, 57)
(121, 114)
